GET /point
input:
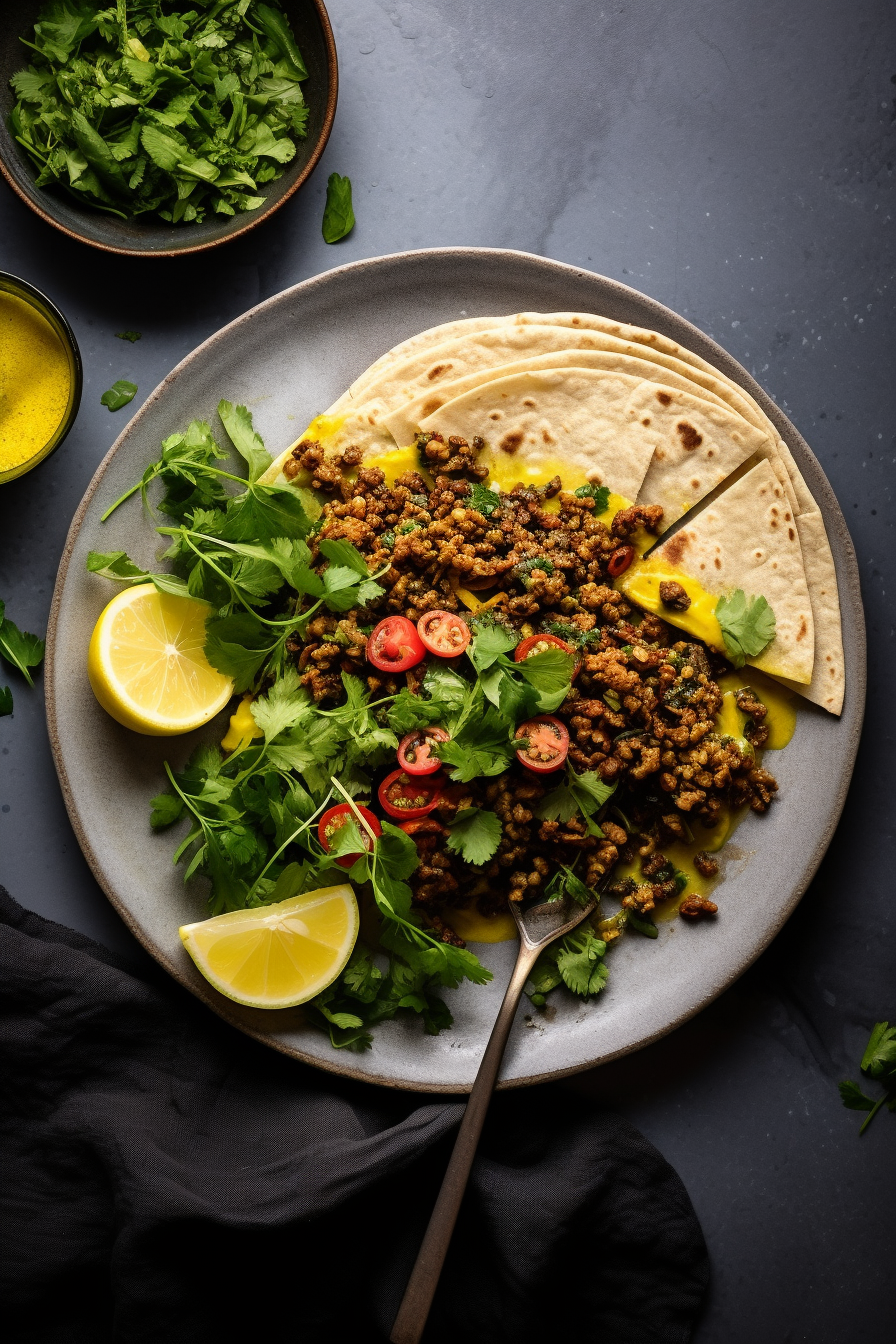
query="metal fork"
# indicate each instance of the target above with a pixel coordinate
(539, 925)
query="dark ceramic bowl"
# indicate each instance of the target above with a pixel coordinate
(11, 284)
(142, 238)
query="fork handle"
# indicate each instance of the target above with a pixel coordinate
(414, 1310)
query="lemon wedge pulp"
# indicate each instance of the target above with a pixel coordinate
(147, 664)
(278, 955)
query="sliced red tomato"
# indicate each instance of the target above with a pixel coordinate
(414, 751)
(423, 826)
(334, 817)
(539, 643)
(410, 796)
(548, 744)
(444, 633)
(620, 560)
(394, 645)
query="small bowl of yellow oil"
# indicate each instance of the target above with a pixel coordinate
(40, 377)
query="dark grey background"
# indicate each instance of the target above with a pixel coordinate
(733, 159)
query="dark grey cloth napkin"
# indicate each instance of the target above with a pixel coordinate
(165, 1179)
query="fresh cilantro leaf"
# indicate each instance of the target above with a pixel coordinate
(549, 674)
(475, 835)
(167, 808)
(237, 420)
(285, 705)
(483, 499)
(264, 513)
(119, 394)
(339, 217)
(748, 625)
(115, 565)
(878, 1062)
(238, 645)
(128, 336)
(579, 961)
(565, 884)
(880, 1052)
(489, 643)
(275, 26)
(396, 852)
(5, 701)
(344, 554)
(362, 978)
(21, 650)
(599, 493)
(585, 794)
(854, 1098)
(482, 747)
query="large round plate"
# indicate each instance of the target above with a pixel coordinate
(288, 359)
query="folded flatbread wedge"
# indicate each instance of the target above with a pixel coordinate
(744, 539)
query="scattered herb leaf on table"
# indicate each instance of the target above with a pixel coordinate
(119, 394)
(339, 217)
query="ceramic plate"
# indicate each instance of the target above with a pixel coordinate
(287, 360)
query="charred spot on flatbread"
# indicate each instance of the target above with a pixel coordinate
(431, 406)
(664, 398)
(512, 441)
(437, 370)
(690, 439)
(675, 548)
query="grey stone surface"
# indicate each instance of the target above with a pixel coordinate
(734, 160)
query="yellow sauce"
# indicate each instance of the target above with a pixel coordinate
(243, 727)
(780, 702)
(34, 382)
(642, 584)
(476, 928)
(324, 427)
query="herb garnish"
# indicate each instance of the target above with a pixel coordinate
(22, 651)
(131, 336)
(152, 108)
(339, 217)
(747, 625)
(119, 394)
(878, 1062)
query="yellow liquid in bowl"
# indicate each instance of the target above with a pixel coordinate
(35, 381)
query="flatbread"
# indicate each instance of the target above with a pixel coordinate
(746, 538)
(828, 673)
(609, 423)
(580, 416)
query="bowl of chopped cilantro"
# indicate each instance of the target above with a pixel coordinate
(156, 127)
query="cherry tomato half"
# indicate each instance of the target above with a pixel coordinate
(334, 817)
(394, 645)
(548, 744)
(620, 560)
(414, 755)
(423, 826)
(407, 796)
(539, 643)
(444, 633)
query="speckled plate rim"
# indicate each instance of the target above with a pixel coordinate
(664, 319)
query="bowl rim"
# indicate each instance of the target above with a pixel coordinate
(63, 328)
(251, 223)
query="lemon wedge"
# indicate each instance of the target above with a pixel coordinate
(147, 666)
(278, 955)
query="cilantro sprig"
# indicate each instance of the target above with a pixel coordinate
(154, 108)
(748, 625)
(878, 1063)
